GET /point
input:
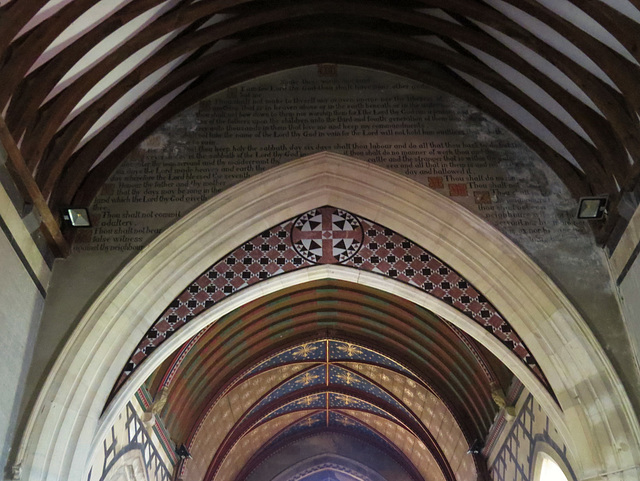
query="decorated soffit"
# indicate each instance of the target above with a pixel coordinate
(326, 394)
(375, 319)
(322, 385)
(366, 428)
(328, 350)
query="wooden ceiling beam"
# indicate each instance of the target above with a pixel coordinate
(23, 52)
(621, 71)
(32, 90)
(588, 156)
(625, 30)
(52, 115)
(82, 123)
(591, 121)
(180, 76)
(13, 18)
(86, 188)
(614, 135)
(67, 139)
(610, 102)
(31, 194)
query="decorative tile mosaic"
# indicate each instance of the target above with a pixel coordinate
(327, 235)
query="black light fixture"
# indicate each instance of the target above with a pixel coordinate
(76, 217)
(592, 208)
(183, 452)
(475, 447)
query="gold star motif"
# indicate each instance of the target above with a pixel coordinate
(346, 422)
(307, 401)
(309, 422)
(304, 351)
(346, 400)
(307, 379)
(346, 378)
(349, 349)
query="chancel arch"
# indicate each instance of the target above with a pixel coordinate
(600, 432)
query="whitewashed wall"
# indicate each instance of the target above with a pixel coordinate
(20, 309)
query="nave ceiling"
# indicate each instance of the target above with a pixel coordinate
(330, 357)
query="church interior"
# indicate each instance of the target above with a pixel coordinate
(251, 240)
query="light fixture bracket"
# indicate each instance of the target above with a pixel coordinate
(592, 208)
(76, 217)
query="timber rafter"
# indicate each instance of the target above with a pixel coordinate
(54, 97)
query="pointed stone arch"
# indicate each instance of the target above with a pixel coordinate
(592, 412)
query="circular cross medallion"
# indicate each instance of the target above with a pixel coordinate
(327, 235)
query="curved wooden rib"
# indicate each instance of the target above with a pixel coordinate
(305, 37)
(50, 140)
(66, 141)
(75, 185)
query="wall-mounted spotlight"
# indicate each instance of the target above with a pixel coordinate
(475, 447)
(76, 217)
(592, 208)
(183, 452)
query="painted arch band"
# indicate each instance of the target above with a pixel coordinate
(328, 235)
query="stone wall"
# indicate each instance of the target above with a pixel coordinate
(395, 123)
(20, 308)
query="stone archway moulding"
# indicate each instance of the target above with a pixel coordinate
(594, 414)
(319, 462)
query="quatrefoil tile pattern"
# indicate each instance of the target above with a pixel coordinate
(368, 246)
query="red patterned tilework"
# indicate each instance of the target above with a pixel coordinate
(320, 236)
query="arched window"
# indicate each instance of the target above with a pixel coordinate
(548, 466)
(550, 470)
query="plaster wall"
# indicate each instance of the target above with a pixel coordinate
(75, 283)
(20, 308)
